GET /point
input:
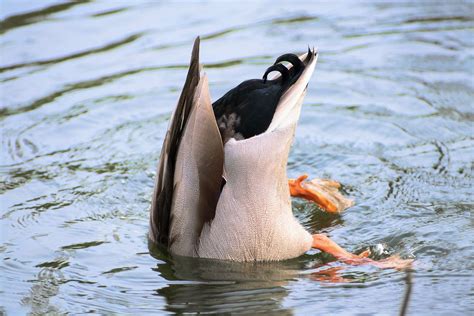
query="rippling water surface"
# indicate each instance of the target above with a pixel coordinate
(87, 89)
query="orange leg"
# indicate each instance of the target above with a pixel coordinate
(326, 194)
(323, 243)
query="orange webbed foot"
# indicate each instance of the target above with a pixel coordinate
(323, 192)
(323, 243)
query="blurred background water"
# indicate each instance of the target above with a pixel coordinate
(87, 89)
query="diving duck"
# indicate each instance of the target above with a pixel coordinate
(221, 188)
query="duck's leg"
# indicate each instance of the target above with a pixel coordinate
(324, 193)
(323, 243)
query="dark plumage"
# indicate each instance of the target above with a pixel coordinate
(248, 109)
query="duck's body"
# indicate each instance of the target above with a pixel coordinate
(237, 208)
(221, 190)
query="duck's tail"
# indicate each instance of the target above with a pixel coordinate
(164, 184)
(189, 175)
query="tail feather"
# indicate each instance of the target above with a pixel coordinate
(163, 193)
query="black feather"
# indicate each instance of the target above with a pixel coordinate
(248, 109)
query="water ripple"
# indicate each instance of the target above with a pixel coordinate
(88, 88)
(105, 48)
(20, 20)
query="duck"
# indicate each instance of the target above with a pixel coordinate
(221, 189)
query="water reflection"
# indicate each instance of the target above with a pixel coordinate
(198, 285)
(221, 286)
(45, 287)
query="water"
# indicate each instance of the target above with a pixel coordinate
(87, 89)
